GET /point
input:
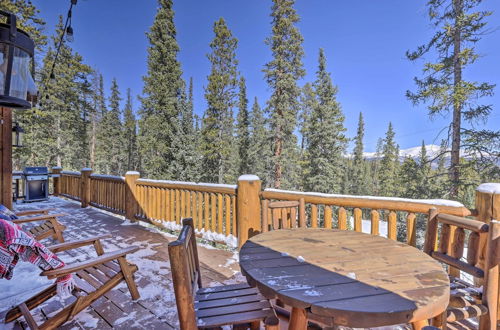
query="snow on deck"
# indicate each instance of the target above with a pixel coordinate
(155, 309)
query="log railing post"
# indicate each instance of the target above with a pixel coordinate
(131, 203)
(248, 208)
(487, 209)
(56, 180)
(85, 186)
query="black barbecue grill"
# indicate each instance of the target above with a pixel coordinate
(36, 183)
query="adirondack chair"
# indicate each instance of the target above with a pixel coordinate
(93, 278)
(200, 308)
(49, 228)
(447, 246)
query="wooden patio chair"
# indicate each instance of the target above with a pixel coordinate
(447, 246)
(199, 307)
(283, 214)
(93, 278)
(49, 228)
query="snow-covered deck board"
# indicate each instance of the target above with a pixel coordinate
(155, 309)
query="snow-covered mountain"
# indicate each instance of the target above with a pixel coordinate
(432, 151)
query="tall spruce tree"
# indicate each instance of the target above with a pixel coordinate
(325, 137)
(389, 164)
(130, 135)
(358, 176)
(282, 73)
(189, 158)
(57, 134)
(219, 152)
(259, 150)
(100, 164)
(159, 127)
(443, 86)
(243, 129)
(110, 138)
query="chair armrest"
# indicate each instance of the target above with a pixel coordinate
(76, 244)
(68, 269)
(39, 218)
(31, 212)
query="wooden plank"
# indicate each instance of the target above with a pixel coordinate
(177, 204)
(392, 231)
(234, 216)
(227, 212)
(314, 216)
(213, 213)
(411, 229)
(342, 219)
(328, 216)
(357, 220)
(206, 205)
(302, 213)
(473, 249)
(200, 210)
(444, 239)
(265, 218)
(220, 214)
(375, 218)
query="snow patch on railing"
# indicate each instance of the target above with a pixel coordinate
(489, 188)
(132, 173)
(71, 172)
(194, 184)
(105, 176)
(441, 202)
(248, 177)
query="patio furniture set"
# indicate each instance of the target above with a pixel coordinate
(312, 278)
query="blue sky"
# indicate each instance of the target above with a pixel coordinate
(364, 41)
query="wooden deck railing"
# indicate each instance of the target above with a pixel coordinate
(227, 213)
(346, 212)
(212, 206)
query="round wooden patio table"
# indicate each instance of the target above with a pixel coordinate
(356, 279)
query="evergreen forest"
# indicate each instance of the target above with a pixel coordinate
(295, 140)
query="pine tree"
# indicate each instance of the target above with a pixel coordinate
(325, 138)
(282, 73)
(388, 164)
(358, 177)
(307, 102)
(111, 135)
(159, 127)
(27, 19)
(130, 135)
(243, 129)
(259, 151)
(189, 158)
(219, 154)
(443, 86)
(56, 132)
(100, 163)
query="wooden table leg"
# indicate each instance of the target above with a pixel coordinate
(298, 319)
(418, 325)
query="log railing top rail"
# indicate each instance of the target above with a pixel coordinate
(203, 187)
(107, 177)
(72, 173)
(370, 202)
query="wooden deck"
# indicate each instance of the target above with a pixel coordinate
(156, 308)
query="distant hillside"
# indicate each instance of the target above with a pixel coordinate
(432, 151)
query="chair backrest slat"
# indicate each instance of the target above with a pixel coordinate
(186, 274)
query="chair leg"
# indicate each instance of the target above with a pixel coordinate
(439, 321)
(129, 278)
(417, 325)
(255, 325)
(272, 323)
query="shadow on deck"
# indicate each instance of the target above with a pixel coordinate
(155, 309)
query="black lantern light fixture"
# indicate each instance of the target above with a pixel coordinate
(17, 87)
(17, 135)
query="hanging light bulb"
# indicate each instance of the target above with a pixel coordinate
(69, 34)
